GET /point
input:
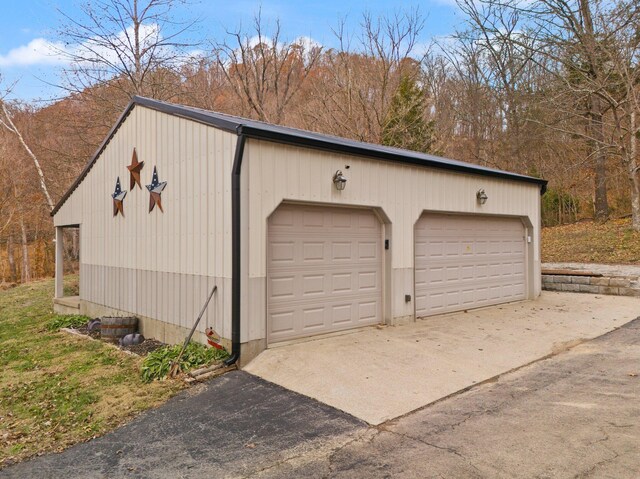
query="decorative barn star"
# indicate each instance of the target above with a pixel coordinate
(134, 171)
(118, 199)
(155, 189)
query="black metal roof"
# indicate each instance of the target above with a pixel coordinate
(294, 136)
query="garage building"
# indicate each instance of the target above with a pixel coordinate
(302, 233)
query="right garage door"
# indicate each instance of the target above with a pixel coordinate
(464, 262)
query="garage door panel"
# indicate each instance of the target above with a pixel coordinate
(463, 262)
(311, 218)
(341, 282)
(282, 323)
(341, 251)
(368, 250)
(313, 318)
(368, 312)
(313, 251)
(368, 281)
(312, 284)
(333, 278)
(283, 287)
(282, 252)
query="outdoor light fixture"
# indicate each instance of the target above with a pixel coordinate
(339, 180)
(481, 196)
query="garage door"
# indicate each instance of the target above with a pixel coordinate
(324, 271)
(464, 262)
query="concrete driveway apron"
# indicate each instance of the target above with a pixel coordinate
(378, 374)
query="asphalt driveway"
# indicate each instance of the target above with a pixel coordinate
(380, 374)
(230, 427)
(573, 415)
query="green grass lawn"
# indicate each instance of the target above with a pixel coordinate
(57, 389)
(613, 242)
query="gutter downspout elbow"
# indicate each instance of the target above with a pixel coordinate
(236, 249)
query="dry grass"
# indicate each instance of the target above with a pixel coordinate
(57, 389)
(613, 242)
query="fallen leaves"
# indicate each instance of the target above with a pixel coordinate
(613, 242)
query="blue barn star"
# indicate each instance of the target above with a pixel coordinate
(118, 199)
(155, 189)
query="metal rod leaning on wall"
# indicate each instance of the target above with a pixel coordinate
(175, 367)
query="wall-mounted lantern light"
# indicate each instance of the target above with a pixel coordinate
(339, 180)
(481, 196)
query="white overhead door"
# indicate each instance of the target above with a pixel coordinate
(464, 262)
(324, 270)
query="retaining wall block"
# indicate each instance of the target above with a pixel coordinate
(604, 281)
(552, 287)
(570, 287)
(629, 292)
(609, 290)
(580, 279)
(547, 278)
(589, 288)
(621, 282)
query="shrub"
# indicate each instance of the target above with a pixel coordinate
(157, 363)
(70, 321)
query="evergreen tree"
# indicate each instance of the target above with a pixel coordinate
(406, 125)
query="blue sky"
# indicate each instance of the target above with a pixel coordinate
(27, 26)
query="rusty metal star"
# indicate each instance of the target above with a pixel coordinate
(155, 190)
(134, 171)
(118, 199)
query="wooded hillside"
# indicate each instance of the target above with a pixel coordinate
(546, 88)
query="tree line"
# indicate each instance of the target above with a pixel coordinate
(546, 88)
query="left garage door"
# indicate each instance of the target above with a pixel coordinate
(324, 271)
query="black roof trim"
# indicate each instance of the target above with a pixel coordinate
(94, 158)
(293, 136)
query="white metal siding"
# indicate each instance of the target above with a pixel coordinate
(158, 264)
(273, 173)
(324, 271)
(465, 262)
(151, 262)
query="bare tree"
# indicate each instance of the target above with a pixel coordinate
(264, 71)
(129, 45)
(6, 121)
(7, 208)
(577, 42)
(355, 83)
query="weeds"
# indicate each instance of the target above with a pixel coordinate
(157, 363)
(60, 322)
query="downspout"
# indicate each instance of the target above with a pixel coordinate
(235, 249)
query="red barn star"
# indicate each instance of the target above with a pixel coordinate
(134, 171)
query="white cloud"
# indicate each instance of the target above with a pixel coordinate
(307, 43)
(41, 51)
(38, 51)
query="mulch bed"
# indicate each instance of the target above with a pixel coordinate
(142, 349)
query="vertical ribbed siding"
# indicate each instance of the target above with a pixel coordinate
(274, 173)
(279, 172)
(159, 265)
